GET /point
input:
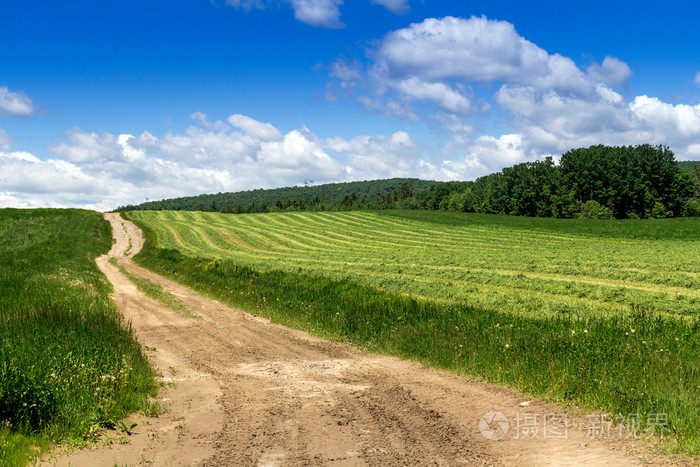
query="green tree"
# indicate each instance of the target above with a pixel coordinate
(594, 210)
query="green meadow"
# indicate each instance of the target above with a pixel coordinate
(526, 271)
(68, 364)
(603, 315)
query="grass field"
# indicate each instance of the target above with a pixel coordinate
(602, 314)
(67, 365)
(498, 267)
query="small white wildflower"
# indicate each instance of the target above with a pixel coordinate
(676, 338)
(585, 331)
(632, 330)
(644, 342)
(573, 332)
(627, 334)
(460, 346)
(507, 345)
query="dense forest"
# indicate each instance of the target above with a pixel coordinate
(602, 182)
(308, 197)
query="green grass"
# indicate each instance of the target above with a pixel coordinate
(156, 292)
(609, 323)
(686, 229)
(538, 268)
(67, 362)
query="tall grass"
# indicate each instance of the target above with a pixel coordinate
(639, 363)
(68, 364)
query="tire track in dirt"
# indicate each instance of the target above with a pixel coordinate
(249, 392)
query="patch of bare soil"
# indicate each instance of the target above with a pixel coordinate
(249, 392)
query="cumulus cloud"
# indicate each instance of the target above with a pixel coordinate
(87, 148)
(104, 170)
(380, 156)
(438, 93)
(496, 153)
(455, 69)
(254, 128)
(439, 61)
(15, 104)
(472, 50)
(612, 71)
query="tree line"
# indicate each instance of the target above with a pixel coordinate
(602, 182)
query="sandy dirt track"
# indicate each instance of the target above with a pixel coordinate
(248, 392)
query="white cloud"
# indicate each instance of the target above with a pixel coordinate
(102, 171)
(611, 71)
(476, 67)
(24, 172)
(674, 121)
(5, 140)
(15, 104)
(496, 153)
(399, 7)
(472, 50)
(380, 156)
(438, 93)
(254, 128)
(87, 148)
(438, 61)
(318, 13)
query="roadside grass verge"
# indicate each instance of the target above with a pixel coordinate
(68, 363)
(156, 292)
(641, 363)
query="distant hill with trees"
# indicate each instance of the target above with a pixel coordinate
(324, 196)
(599, 182)
(688, 166)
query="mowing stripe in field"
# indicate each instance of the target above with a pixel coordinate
(524, 269)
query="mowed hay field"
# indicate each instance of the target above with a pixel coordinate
(536, 273)
(605, 314)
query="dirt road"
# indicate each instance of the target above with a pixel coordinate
(248, 392)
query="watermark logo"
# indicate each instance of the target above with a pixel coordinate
(494, 425)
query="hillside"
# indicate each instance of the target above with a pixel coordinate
(597, 182)
(331, 193)
(688, 166)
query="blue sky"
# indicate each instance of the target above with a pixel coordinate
(108, 103)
